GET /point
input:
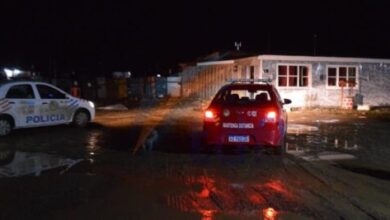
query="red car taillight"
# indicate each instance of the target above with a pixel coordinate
(210, 115)
(271, 117)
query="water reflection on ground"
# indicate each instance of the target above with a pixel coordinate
(93, 145)
(211, 197)
(18, 163)
(324, 140)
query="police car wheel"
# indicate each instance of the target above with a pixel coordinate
(5, 127)
(80, 119)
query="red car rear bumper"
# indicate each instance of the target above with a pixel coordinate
(269, 135)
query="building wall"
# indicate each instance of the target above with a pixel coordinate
(373, 84)
(373, 81)
(315, 94)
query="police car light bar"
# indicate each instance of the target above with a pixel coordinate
(250, 81)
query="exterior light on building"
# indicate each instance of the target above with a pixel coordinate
(8, 72)
(16, 71)
(158, 75)
(12, 73)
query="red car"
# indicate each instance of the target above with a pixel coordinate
(247, 112)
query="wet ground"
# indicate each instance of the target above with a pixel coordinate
(147, 163)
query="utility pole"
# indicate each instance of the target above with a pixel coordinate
(315, 44)
(268, 43)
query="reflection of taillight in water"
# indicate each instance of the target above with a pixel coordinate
(269, 214)
(207, 214)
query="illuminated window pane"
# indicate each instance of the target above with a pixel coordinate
(292, 81)
(303, 76)
(292, 70)
(352, 70)
(342, 72)
(331, 72)
(282, 81)
(282, 70)
(303, 71)
(331, 81)
(352, 82)
(342, 81)
(303, 81)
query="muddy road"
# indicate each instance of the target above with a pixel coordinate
(147, 163)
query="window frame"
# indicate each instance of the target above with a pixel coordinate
(58, 90)
(297, 76)
(338, 66)
(26, 84)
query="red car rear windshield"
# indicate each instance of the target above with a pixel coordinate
(244, 96)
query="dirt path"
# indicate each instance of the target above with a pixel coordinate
(174, 180)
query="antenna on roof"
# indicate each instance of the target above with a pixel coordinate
(238, 45)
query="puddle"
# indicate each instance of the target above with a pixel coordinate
(328, 156)
(120, 139)
(213, 197)
(300, 129)
(379, 174)
(18, 163)
(327, 141)
(92, 145)
(328, 121)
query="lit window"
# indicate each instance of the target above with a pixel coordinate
(332, 76)
(342, 76)
(293, 76)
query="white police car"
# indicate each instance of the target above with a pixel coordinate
(26, 104)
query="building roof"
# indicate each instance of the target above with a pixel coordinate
(298, 58)
(323, 59)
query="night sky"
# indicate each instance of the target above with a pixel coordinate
(150, 37)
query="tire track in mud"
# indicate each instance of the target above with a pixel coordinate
(343, 195)
(294, 164)
(301, 168)
(332, 191)
(288, 200)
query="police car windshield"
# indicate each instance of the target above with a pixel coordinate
(244, 97)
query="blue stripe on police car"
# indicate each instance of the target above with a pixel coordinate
(73, 103)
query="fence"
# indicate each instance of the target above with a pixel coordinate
(198, 81)
(205, 81)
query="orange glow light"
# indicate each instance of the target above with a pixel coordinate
(269, 214)
(207, 214)
(205, 193)
(209, 114)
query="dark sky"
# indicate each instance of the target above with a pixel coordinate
(153, 36)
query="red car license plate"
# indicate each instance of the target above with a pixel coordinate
(239, 139)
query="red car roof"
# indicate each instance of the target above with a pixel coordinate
(248, 86)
